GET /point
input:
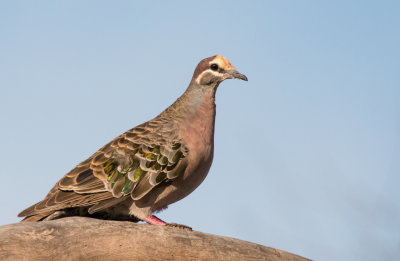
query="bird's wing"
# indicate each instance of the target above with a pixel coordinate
(130, 165)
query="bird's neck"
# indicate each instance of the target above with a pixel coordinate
(199, 97)
(196, 107)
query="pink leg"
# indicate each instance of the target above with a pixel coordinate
(155, 221)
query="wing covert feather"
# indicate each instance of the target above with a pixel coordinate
(130, 165)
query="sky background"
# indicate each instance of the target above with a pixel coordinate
(307, 152)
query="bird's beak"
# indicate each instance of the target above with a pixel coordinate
(236, 75)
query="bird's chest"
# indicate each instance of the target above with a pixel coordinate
(198, 134)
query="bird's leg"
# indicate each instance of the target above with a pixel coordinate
(153, 220)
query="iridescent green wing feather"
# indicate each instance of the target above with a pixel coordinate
(135, 163)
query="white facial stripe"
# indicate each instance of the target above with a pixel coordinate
(216, 73)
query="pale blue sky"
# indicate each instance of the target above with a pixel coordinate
(306, 152)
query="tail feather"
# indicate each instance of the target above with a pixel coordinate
(36, 217)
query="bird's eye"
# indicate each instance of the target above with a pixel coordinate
(214, 66)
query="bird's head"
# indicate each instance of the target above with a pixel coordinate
(213, 70)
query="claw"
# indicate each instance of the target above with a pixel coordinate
(179, 226)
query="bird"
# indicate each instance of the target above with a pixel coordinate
(150, 166)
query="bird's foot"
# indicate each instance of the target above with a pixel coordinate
(153, 220)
